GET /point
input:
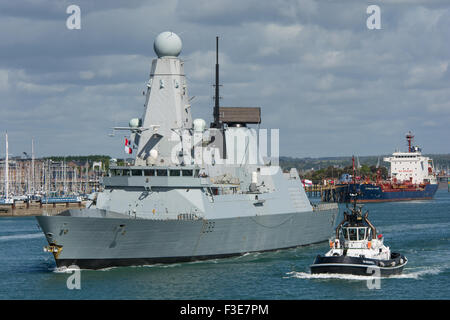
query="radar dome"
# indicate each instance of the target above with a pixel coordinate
(154, 153)
(199, 125)
(167, 44)
(134, 123)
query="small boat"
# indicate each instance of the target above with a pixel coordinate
(358, 250)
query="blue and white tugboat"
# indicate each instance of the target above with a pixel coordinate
(357, 249)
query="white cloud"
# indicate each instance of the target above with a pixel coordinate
(442, 108)
(426, 73)
(87, 75)
(39, 89)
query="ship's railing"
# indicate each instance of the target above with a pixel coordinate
(325, 206)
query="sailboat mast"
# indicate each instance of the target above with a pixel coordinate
(6, 169)
(64, 176)
(32, 167)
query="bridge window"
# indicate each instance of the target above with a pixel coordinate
(345, 233)
(352, 235)
(149, 173)
(126, 172)
(186, 173)
(161, 173)
(136, 172)
(361, 233)
(174, 173)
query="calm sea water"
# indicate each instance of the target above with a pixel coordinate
(418, 229)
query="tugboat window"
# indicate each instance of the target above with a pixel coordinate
(126, 172)
(136, 172)
(352, 234)
(149, 172)
(174, 173)
(345, 233)
(362, 234)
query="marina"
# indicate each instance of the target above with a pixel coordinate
(25, 179)
(44, 186)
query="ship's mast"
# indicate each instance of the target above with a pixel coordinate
(409, 137)
(64, 176)
(32, 167)
(216, 123)
(354, 170)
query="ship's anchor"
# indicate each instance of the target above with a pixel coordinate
(53, 248)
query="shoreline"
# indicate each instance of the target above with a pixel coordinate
(37, 209)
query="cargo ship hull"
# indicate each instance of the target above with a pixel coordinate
(375, 193)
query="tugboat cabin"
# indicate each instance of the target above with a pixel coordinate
(356, 233)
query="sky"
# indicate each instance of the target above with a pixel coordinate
(331, 85)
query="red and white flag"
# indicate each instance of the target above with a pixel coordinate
(127, 146)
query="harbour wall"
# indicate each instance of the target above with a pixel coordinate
(36, 208)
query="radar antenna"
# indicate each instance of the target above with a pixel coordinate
(216, 123)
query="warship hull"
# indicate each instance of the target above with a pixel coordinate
(95, 243)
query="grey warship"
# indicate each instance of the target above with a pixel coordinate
(193, 192)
